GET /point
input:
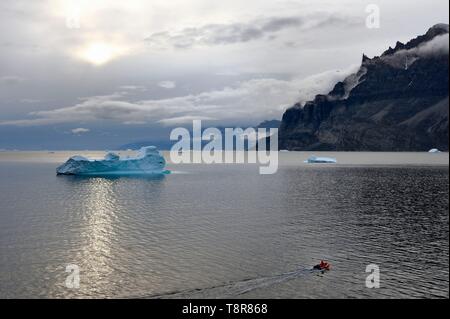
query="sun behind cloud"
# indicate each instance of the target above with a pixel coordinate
(100, 53)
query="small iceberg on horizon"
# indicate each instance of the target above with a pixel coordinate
(434, 151)
(148, 161)
(321, 160)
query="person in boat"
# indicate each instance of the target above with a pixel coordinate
(322, 266)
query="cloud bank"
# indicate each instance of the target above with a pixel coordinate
(256, 99)
(80, 130)
(438, 46)
(167, 84)
(11, 80)
(233, 33)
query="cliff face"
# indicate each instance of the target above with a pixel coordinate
(396, 102)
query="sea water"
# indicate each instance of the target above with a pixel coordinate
(225, 231)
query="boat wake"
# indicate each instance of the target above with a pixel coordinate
(235, 289)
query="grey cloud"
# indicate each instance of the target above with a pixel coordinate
(80, 130)
(256, 99)
(438, 46)
(167, 84)
(435, 47)
(132, 88)
(11, 80)
(278, 24)
(184, 120)
(219, 34)
(30, 101)
(134, 123)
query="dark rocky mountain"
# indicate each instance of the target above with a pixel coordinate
(396, 102)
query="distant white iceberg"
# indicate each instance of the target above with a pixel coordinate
(148, 161)
(434, 150)
(321, 160)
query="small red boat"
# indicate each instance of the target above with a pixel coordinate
(324, 266)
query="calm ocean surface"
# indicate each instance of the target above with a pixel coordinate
(224, 231)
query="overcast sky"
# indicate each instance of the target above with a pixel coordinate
(102, 73)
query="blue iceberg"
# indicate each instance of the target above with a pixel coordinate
(321, 160)
(148, 161)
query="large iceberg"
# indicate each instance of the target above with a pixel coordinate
(321, 160)
(148, 161)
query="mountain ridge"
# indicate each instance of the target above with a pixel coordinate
(395, 102)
